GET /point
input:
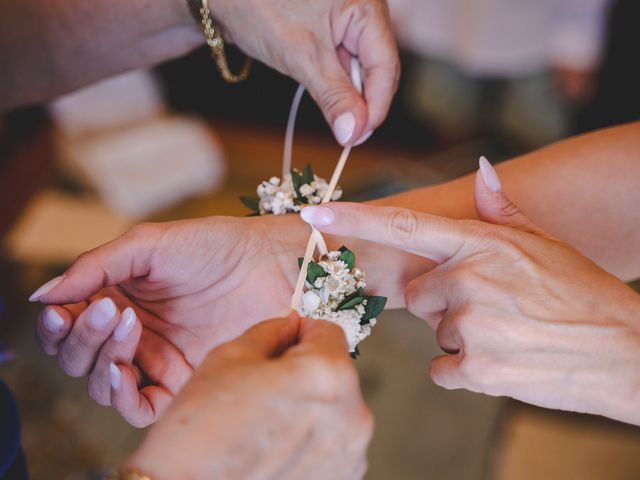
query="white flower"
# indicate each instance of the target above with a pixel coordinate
(310, 302)
(322, 299)
(306, 190)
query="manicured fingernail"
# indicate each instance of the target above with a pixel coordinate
(46, 288)
(115, 377)
(363, 138)
(344, 127)
(490, 176)
(101, 313)
(318, 216)
(53, 321)
(125, 326)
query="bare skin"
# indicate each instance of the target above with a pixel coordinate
(182, 294)
(50, 48)
(282, 401)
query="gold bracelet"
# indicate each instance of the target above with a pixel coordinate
(124, 475)
(202, 14)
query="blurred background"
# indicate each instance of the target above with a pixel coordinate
(492, 77)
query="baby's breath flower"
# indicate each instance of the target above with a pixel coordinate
(338, 297)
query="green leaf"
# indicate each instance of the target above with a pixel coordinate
(252, 203)
(314, 271)
(343, 249)
(300, 262)
(351, 303)
(355, 353)
(349, 258)
(307, 174)
(358, 293)
(373, 308)
(296, 180)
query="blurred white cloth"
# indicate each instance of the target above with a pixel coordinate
(503, 37)
(117, 137)
(149, 165)
(128, 98)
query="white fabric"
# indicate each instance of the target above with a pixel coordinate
(503, 37)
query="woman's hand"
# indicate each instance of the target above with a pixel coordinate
(312, 41)
(519, 313)
(282, 401)
(193, 284)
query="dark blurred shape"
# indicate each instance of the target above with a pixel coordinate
(617, 96)
(25, 160)
(194, 85)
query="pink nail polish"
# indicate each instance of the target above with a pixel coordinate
(126, 325)
(115, 377)
(53, 322)
(489, 175)
(363, 138)
(46, 288)
(344, 127)
(318, 216)
(101, 313)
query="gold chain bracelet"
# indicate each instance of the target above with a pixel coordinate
(124, 475)
(202, 14)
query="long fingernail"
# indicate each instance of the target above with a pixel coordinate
(363, 138)
(46, 288)
(318, 216)
(53, 321)
(115, 377)
(490, 176)
(126, 325)
(101, 313)
(344, 127)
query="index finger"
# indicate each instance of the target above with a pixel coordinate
(319, 336)
(378, 54)
(426, 235)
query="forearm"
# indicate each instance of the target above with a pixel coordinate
(583, 190)
(50, 48)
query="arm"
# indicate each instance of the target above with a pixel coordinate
(583, 190)
(49, 48)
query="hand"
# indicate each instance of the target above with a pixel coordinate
(193, 284)
(282, 401)
(312, 42)
(519, 313)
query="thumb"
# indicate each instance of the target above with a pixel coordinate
(342, 105)
(127, 257)
(493, 205)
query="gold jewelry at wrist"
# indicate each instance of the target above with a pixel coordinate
(213, 33)
(126, 475)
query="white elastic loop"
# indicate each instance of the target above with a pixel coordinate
(288, 138)
(356, 78)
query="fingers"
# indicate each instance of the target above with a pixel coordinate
(127, 257)
(79, 350)
(426, 297)
(342, 105)
(319, 336)
(378, 54)
(121, 349)
(139, 408)
(52, 327)
(494, 206)
(445, 371)
(267, 339)
(427, 235)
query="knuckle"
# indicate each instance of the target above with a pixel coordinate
(329, 376)
(404, 225)
(98, 393)
(71, 366)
